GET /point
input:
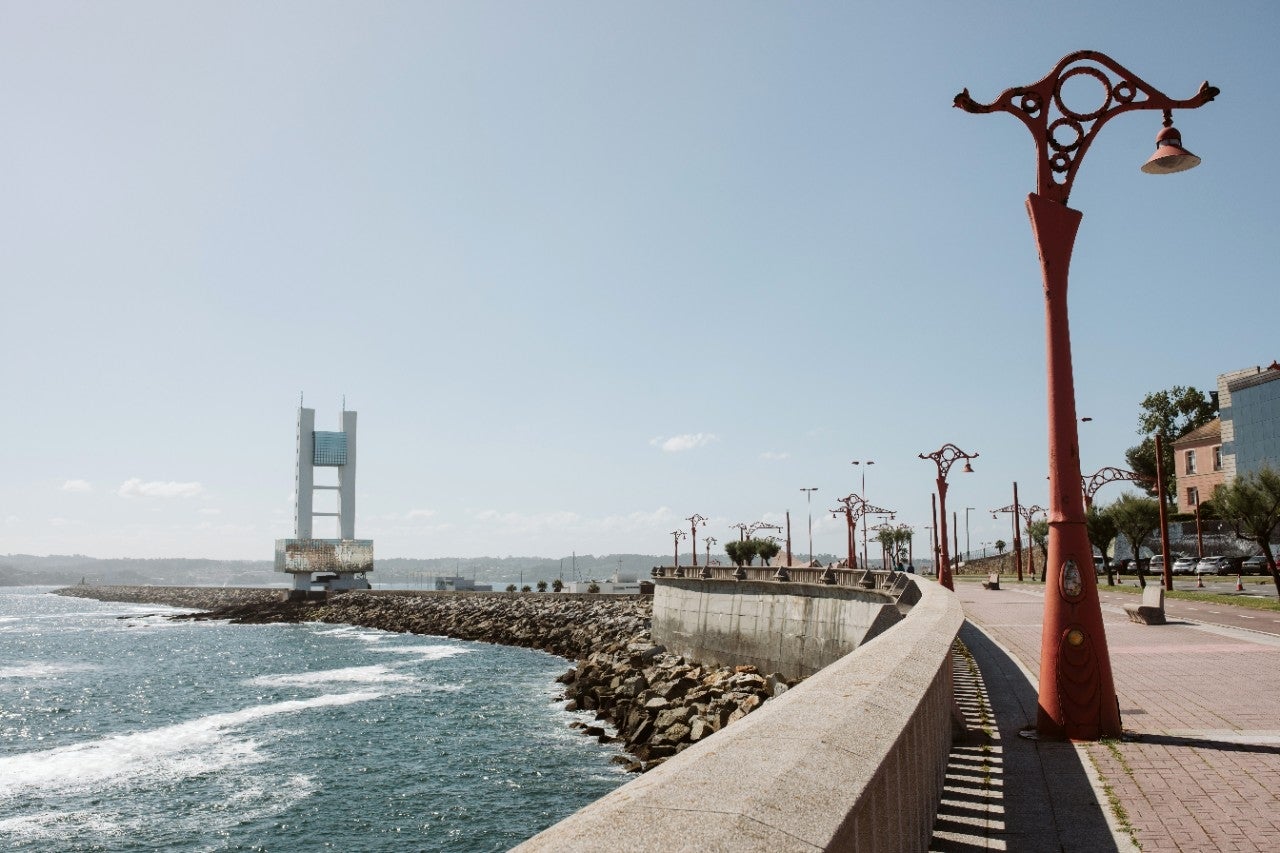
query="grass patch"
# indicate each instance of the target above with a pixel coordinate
(1237, 599)
(1229, 600)
(1117, 807)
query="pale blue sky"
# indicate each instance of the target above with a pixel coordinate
(532, 243)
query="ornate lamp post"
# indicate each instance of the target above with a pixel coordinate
(1101, 477)
(694, 520)
(742, 529)
(1077, 693)
(808, 496)
(853, 508)
(677, 535)
(943, 457)
(706, 569)
(762, 525)
(1029, 514)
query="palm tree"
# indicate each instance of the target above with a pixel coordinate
(1251, 505)
(542, 586)
(557, 585)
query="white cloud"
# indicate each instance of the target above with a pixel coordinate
(688, 441)
(769, 454)
(77, 486)
(135, 488)
(420, 513)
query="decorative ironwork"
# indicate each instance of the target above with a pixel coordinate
(1102, 476)
(945, 455)
(694, 520)
(1061, 143)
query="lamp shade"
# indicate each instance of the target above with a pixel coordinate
(1170, 156)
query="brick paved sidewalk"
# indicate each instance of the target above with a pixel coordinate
(1204, 703)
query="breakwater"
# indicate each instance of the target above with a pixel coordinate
(654, 702)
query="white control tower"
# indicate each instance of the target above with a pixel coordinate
(335, 564)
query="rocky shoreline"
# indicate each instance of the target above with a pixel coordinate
(652, 702)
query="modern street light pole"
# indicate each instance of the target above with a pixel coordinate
(967, 510)
(943, 457)
(1077, 692)
(808, 497)
(863, 465)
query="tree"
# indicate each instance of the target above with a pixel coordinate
(1251, 505)
(767, 549)
(526, 588)
(511, 587)
(743, 551)
(542, 586)
(594, 587)
(1038, 532)
(1000, 546)
(1102, 532)
(1172, 414)
(557, 585)
(1136, 519)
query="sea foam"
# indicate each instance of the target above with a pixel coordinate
(373, 674)
(187, 749)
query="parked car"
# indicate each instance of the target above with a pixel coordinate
(1155, 564)
(1182, 565)
(1255, 565)
(1214, 566)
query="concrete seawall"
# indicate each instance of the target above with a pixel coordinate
(851, 759)
(727, 623)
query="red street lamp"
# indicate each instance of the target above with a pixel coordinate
(694, 520)
(1077, 694)
(677, 535)
(854, 508)
(706, 568)
(1101, 477)
(943, 457)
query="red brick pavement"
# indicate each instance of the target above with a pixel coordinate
(1204, 773)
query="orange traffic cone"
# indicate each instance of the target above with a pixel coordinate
(1239, 585)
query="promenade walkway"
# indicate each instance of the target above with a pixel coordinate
(1201, 770)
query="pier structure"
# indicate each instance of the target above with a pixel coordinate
(336, 564)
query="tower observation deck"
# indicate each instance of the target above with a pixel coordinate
(334, 564)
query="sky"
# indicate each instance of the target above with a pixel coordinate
(585, 269)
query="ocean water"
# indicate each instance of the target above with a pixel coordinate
(140, 733)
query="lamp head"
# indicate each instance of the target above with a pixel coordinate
(968, 469)
(1170, 156)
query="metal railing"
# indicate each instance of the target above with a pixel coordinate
(890, 583)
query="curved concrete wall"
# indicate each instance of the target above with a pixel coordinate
(851, 759)
(796, 633)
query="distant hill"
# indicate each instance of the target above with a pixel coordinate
(26, 570)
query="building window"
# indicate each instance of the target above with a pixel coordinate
(1191, 462)
(1217, 458)
(1193, 497)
